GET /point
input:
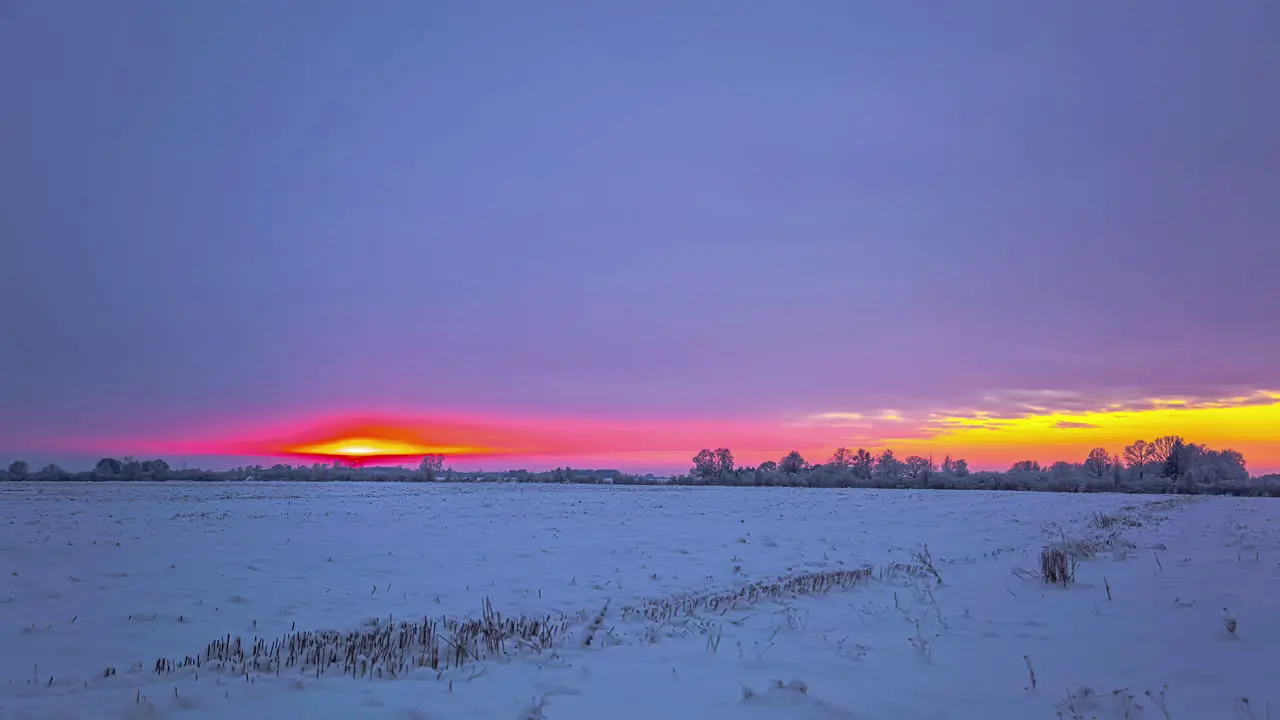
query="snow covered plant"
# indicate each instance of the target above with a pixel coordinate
(925, 559)
(535, 710)
(923, 644)
(1246, 710)
(1085, 704)
(1229, 622)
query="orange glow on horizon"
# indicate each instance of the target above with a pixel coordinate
(988, 439)
(365, 449)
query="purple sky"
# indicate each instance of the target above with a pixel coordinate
(214, 211)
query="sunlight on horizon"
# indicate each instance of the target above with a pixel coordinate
(986, 438)
(369, 447)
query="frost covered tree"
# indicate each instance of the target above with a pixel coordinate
(862, 464)
(18, 468)
(842, 458)
(888, 468)
(1202, 466)
(157, 469)
(430, 467)
(704, 464)
(1025, 466)
(918, 467)
(724, 461)
(1062, 470)
(107, 466)
(1176, 463)
(793, 463)
(710, 464)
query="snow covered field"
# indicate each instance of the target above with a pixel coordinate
(100, 581)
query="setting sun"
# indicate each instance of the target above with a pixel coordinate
(370, 448)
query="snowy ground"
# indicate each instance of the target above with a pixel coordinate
(116, 576)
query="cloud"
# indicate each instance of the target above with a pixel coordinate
(841, 419)
(1070, 424)
(999, 408)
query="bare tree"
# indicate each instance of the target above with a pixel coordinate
(1161, 447)
(1138, 455)
(1098, 462)
(18, 468)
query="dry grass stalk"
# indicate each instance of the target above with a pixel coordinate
(1056, 567)
(818, 583)
(595, 626)
(1104, 521)
(381, 649)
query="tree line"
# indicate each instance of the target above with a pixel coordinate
(430, 469)
(1167, 464)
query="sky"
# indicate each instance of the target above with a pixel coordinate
(611, 234)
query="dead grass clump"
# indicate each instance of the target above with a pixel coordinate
(380, 649)
(388, 649)
(1086, 549)
(895, 570)
(818, 583)
(1056, 566)
(1105, 521)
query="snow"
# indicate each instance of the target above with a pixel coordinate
(99, 576)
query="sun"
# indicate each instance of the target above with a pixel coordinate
(357, 450)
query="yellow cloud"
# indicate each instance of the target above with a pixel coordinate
(1029, 429)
